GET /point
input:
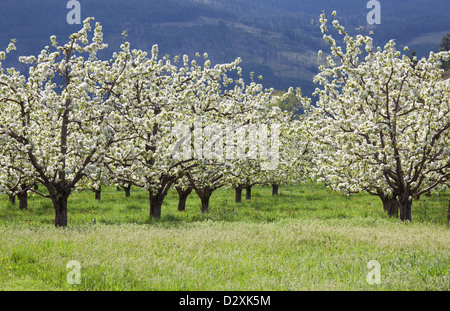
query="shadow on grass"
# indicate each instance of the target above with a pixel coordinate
(293, 202)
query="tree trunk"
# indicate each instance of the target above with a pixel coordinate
(156, 201)
(405, 209)
(394, 205)
(274, 189)
(248, 192)
(390, 206)
(205, 205)
(12, 198)
(204, 194)
(127, 191)
(182, 197)
(238, 190)
(98, 194)
(60, 204)
(23, 200)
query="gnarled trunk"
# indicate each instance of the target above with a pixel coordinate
(12, 198)
(248, 192)
(23, 199)
(156, 201)
(405, 209)
(204, 194)
(60, 204)
(396, 204)
(274, 189)
(238, 191)
(127, 190)
(390, 206)
(98, 194)
(182, 197)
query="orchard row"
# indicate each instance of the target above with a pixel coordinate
(381, 124)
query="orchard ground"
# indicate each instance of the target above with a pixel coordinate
(307, 238)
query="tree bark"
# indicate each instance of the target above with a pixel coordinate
(23, 200)
(238, 191)
(274, 189)
(390, 206)
(156, 201)
(60, 204)
(204, 194)
(248, 192)
(182, 197)
(394, 205)
(127, 190)
(98, 194)
(12, 198)
(405, 209)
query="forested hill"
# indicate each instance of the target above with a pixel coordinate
(276, 39)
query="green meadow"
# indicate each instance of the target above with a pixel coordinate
(307, 238)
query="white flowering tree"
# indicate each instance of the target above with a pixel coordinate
(153, 106)
(270, 158)
(144, 101)
(381, 123)
(14, 180)
(59, 116)
(292, 157)
(235, 137)
(207, 107)
(279, 150)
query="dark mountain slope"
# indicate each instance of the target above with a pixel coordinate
(276, 39)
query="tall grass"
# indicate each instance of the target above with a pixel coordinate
(308, 238)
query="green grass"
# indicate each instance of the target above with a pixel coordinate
(307, 238)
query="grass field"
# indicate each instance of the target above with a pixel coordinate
(307, 238)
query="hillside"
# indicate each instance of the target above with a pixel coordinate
(276, 39)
